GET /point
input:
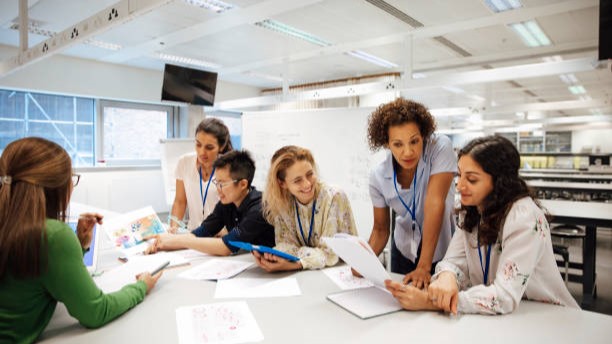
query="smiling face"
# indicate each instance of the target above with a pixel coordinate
(406, 144)
(229, 190)
(300, 181)
(207, 149)
(473, 182)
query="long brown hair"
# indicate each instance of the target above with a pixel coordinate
(499, 158)
(277, 200)
(36, 185)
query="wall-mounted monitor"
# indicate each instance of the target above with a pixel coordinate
(188, 85)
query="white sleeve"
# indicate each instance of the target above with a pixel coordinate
(179, 171)
(523, 243)
(443, 157)
(455, 261)
(376, 195)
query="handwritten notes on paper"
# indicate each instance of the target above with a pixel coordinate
(342, 276)
(216, 269)
(257, 287)
(223, 323)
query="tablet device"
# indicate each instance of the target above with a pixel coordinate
(90, 258)
(263, 249)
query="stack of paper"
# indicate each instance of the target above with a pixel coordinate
(363, 302)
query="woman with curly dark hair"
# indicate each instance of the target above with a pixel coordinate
(503, 251)
(415, 181)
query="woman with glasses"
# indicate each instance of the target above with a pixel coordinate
(303, 210)
(41, 259)
(502, 251)
(415, 182)
(194, 175)
(238, 210)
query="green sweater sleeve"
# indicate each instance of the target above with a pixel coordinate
(68, 281)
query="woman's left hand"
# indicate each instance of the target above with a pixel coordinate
(420, 277)
(85, 227)
(272, 263)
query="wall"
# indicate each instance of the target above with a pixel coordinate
(121, 189)
(592, 138)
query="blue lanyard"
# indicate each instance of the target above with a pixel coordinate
(412, 211)
(205, 194)
(314, 204)
(485, 269)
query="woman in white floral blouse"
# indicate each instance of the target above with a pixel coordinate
(503, 251)
(303, 210)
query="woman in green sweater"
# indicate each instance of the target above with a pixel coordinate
(41, 260)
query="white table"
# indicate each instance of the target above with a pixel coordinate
(310, 318)
(591, 215)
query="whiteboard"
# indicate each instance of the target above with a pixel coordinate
(171, 151)
(338, 141)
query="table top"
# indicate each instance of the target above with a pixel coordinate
(588, 210)
(311, 318)
(570, 185)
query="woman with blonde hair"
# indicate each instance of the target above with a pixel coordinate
(41, 259)
(303, 210)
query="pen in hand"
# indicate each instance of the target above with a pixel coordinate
(160, 268)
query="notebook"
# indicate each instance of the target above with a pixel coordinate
(90, 258)
(366, 302)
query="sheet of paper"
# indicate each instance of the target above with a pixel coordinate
(357, 253)
(114, 279)
(216, 269)
(257, 287)
(342, 276)
(160, 257)
(127, 231)
(191, 255)
(366, 302)
(222, 323)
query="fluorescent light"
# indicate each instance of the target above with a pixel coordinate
(188, 60)
(291, 31)
(419, 75)
(530, 33)
(503, 5)
(265, 76)
(372, 59)
(577, 89)
(554, 58)
(211, 5)
(102, 44)
(569, 79)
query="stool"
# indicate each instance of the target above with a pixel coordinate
(567, 231)
(564, 253)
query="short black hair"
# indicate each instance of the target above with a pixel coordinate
(241, 165)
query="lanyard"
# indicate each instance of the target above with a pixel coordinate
(412, 211)
(205, 194)
(314, 204)
(485, 269)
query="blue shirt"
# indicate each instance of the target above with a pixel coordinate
(437, 157)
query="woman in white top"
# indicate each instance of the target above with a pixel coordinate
(303, 210)
(194, 173)
(503, 250)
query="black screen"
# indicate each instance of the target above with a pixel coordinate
(605, 29)
(189, 85)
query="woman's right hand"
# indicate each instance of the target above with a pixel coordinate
(149, 280)
(443, 292)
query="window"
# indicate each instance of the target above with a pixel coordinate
(131, 132)
(66, 120)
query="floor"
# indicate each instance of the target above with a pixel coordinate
(603, 302)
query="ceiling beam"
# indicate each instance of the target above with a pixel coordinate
(502, 18)
(112, 16)
(442, 80)
(225, 21)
